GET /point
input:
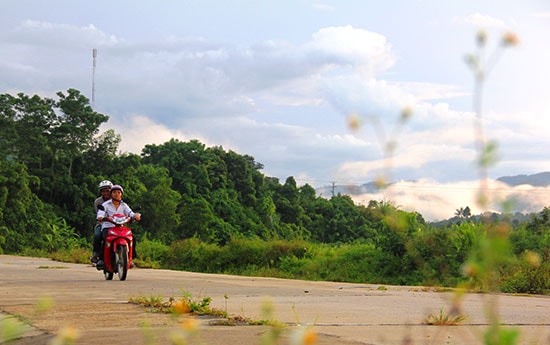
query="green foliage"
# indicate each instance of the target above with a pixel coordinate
(11, 329)
(200, 306)
(152, 253)
(23, 216)
(193, 255)
(78, 255)
(211, 210)
(497, 335)
(58, 236)
(530, 275)
(236, 257)
(486, 262)
(350, 263)
(432, 252)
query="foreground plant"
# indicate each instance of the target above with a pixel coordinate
(493, 253)
(196, 306)
(189, 326)
(11, 329)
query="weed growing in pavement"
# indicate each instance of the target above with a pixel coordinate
(154, 303)
(444, 319)
(195, 306)
(190, 306)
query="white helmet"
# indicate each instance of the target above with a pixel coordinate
(117, 187)
(105, 184)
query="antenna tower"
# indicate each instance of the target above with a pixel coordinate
(94, 55)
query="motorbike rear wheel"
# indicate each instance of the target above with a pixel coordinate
(122, 262)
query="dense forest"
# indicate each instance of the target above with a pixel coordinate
(211, 210)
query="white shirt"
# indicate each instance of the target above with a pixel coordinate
(110, 210)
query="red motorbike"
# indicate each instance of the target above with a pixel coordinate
(117, 249)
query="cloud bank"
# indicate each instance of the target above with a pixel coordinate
(439, 201)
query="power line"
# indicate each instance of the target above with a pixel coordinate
(413, 186)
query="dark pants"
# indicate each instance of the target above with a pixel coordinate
(97, 240)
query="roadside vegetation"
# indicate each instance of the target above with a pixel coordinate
(211, 210)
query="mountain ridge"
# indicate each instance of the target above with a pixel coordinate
(536, 180)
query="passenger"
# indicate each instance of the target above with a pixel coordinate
(105, 191)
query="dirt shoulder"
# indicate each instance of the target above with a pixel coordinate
(97, 311)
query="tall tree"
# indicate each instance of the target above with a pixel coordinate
(78, 125)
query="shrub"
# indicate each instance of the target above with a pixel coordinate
(529, 276)
(152, 253)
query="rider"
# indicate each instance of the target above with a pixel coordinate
(105, 191)
(110, 207)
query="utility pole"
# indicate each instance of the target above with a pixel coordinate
(333, 187)
(94, 55)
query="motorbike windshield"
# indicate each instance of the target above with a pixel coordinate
(120, 219)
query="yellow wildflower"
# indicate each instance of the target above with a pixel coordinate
(510, 39)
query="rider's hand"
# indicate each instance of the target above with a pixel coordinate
(137, 216)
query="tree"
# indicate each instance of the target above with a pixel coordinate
(184, 162)
(150, 190)
(24, 219)
(52, 140)
(467, 213)
(463, 212)
(78, 124)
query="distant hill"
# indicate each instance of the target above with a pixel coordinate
(536, 180)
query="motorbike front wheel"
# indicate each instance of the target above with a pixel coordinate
(108, 275)
(122, 262)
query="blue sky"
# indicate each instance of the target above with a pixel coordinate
(281, 80)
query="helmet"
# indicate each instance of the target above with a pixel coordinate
(105, 184)
(117, 187)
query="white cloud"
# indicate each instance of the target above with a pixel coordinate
(439, 201)
(322, 7)
(366, 51)
(429, 91)
(542, 14)
(137, 130)
(62, 35)
(479, 20)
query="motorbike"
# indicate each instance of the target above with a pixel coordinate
(117, 248)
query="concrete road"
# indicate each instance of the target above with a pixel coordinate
(97, 311)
